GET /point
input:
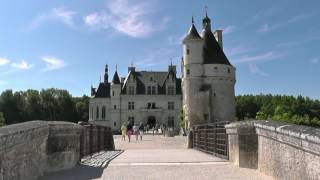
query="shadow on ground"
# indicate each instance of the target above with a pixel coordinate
(79, 172)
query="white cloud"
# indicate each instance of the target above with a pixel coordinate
(261, 57)
(266, 27)
(254, 69)
(229, 29)
(176, 40)
(238, 50)
(61, 14)
(22, 65)
(129, 19)
(315, 60)
(4, 61)
(53, 63)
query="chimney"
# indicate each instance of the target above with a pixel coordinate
(218, 36)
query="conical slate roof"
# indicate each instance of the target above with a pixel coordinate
(116, 79)
(192, 34)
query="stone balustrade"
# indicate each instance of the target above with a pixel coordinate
(281, 150)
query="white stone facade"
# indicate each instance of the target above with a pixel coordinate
(161, 107)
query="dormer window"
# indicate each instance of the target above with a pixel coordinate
(131, 90)
(171, 90)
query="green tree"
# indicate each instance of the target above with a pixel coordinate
(2, 120)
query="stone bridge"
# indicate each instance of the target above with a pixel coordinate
(256, 150)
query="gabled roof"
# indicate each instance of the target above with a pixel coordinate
(103, 90)
(212, 52)
(144, 77)
(115, 79)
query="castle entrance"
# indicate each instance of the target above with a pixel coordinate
(151, 121)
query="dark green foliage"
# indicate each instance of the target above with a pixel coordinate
(48, 104)
(297, 110)
(2, 120)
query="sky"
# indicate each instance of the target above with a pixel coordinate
(273, 44)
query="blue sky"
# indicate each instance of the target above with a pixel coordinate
(65, 44)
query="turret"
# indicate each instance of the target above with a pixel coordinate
(106, 77)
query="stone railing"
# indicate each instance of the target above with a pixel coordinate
(281, 150)
(30, 149)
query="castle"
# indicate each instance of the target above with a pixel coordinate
(142, 96)
(208, 78)
(205, 92)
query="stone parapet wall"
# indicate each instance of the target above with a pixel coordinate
(288, 151)
(23, 150)
(284, 151)
(30, 149)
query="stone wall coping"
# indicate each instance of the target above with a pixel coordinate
(22, 127)
(240, 128)
(239, 124)
(307, 133)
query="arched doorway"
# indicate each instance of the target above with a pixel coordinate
(151, 121)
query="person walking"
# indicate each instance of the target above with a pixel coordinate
(141, 129)
(136, 131)
(129, 131)
(123, 132)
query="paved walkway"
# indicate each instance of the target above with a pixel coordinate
(156, 157)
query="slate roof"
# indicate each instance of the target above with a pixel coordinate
(115, 79)
(103, 90)
(144, 77)
(193, 33)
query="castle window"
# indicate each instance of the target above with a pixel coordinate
(153, 90)
(188, 71)
(131, 119)
(215, 68)
(188, 51)
(97, 112)
(131, 90)
(205, 116)
(114, 106)
(171, 105)
(103, 112)
(151, 79)
(171, 90)
(149, 90)
(92, 113)
(170, 121)
(228, 70)
(153, 106)
(131, 105)
(112, 93)
(214, 94)
(114, 124)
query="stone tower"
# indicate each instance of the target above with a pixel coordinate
(208, 78)
(115, 100)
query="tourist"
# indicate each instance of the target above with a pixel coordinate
(123, 132)
(136, 131)
(141, 129)
(129, 130)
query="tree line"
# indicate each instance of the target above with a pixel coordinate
(297, 110)
(48, 104)
(58, 105)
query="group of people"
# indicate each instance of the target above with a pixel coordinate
(132, 129)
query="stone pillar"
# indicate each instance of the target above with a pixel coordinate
(243, 144)
(190, 139)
